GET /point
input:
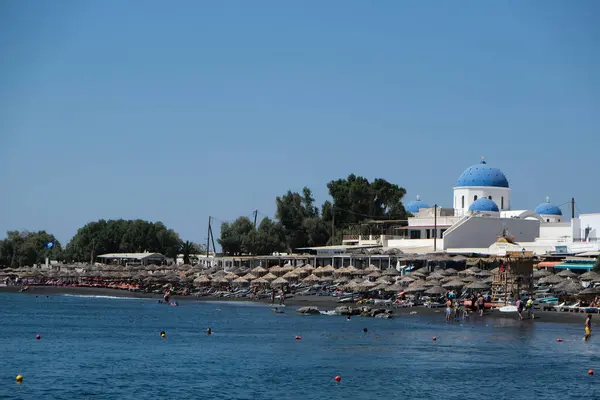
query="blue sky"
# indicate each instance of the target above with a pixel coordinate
(175, 111)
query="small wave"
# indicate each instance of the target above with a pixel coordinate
(330, 312)
(105, 297)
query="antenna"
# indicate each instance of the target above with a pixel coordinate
(547, 199)
(418, 198)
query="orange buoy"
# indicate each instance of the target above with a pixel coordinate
(337, 378)
(434, 339)
(590, 372)
(38, 337)
(298, 337)
(559, 340)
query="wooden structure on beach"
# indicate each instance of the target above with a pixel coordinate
(514, 276)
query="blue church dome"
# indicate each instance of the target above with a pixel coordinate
(484, 204)
(414, 206)
(482, 175)
(548, 208)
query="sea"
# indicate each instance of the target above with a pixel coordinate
(111, 348)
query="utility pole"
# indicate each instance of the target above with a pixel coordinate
(255, 217)
(92, 253)
(332, 224)
(208, 238)
(572, 208)
(435, 227)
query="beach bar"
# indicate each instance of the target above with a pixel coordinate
(133, 258)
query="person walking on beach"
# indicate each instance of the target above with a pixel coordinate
(480, 304)
(273, 293)
(520, 308)
(530, 308)
(588, 327)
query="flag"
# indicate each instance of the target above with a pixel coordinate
(50, 245)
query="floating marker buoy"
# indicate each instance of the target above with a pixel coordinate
(163, 334)
(38, 337)
(298, 337)
(208, 331)
(19, 378)
(365, 330)
(590, 372)
(434, 339)
(559, 340)
(337, 378)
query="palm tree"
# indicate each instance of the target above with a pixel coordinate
(187, 248)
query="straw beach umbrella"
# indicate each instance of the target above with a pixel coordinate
(241, 281)
(477, 286)
(551, 280)
(566, 274)
(259, 271)
(436, 290)
(454, 284)
(269, 277)
(279, 282)
(590, 276)
(311, 279)
(260, 282)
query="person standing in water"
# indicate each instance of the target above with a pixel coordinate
(588, 327)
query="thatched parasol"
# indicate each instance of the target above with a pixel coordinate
(231, 276)
(453, 284)
(249, 277)
(568, 287)
(436, 290)
(275, 270)
(451, 271)
(391, 272)
(352, 270)
(279, 282)
(374, 274)
(477, 286)
(372, 268)
(394, 288)
(551, 280)
(241, 281)
(258, 271)
(565, 274)
(290, 276)
(592, 291)
(201, 280)
(590, 276)
(540, 273)
(328, 269)
(260, 282)
(343, 279)
(435, 276)
(470, 279)
(269, 277)
(407, 280)
(311, 278)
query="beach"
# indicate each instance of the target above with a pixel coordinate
(323, 303)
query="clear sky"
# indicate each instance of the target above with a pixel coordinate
(175, 111)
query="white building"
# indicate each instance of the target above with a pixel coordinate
(480, 215)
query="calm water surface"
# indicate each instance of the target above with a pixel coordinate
(107, 348)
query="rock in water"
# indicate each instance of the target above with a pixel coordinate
(309, 311)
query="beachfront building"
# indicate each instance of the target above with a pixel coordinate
(481, 214)
(133, 258)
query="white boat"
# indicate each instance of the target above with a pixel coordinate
(508, 309)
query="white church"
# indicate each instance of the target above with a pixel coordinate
(481, 215)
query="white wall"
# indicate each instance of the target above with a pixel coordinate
(418, 221)
(592, 221)
(469, 192)
(555, 230)
(484, 231)
(416, 245)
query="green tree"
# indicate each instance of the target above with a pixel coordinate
(122, 236)
(300, 220)
(188, 248)
(235, 238)
(597, 265)
(356, 200)
(28, 248)
(268, 238)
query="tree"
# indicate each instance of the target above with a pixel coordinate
(356, 200)
(28, 248)
(300, 220)
(122, 236)
(597, 265)
(268, 238)
(188, 248)
(235, 236)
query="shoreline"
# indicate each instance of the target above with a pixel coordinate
(323, 303)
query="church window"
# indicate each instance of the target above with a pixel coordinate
(463, 202)
(502, 202)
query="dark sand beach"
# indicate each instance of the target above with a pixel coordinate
(323, 303)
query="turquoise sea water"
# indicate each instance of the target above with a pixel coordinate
(109, 348)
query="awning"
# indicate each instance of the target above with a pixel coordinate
(575, 266)
(548, 264)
